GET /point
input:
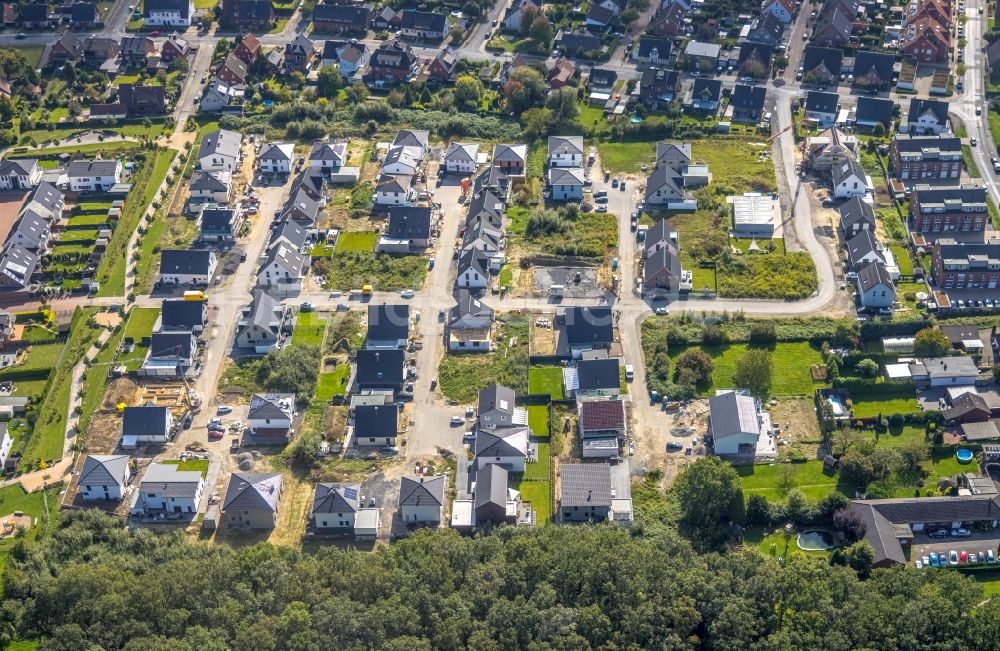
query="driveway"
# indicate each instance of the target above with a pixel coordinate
(977, 543)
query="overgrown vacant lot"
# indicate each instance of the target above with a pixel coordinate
(462, 376)
(772, 275)
(383, 271)
(590, 235)
(790, 364)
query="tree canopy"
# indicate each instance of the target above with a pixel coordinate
(94, 585)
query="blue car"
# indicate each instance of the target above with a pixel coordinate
(934, 560)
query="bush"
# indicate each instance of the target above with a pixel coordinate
(694, 367)
(762, 334)
(291, 370)
(867, 368)
(713, 335)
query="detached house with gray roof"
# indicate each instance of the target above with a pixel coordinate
(264, 324)
(375, 425)
(335, 507)
(251, 500)
(421, 499)
(19, 173)
(93, 176)
(168, 491)
(220, 150)
(270, 416)
(586, 495)
(104, 477)
(187, 266)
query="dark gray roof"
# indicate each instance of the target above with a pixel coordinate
(834, 23)
(966, 403)
(80, 168)
(601, 15)
(291, 231)
(664, 258)
(491, 486)
(380, 367)
(856, 211)
(578, 43)
(424, 20)
(874, 109)
(820, 102)
(100, 469)
(879, 517)
(748, 98)
(494, 398)
(602, 77)
(195, 262)
(595, 374)
(860, 246)
(850, 167)
(663, 46)
(873, 274)
(336, 498)
(388, 322)
(217, 220)
(169, 344)
(145, 421)
(253, 491)
(262, 310)
(202, 180)
(706, 90)
(589, 325)
(276, 406)
(17, 264)
(761, 51)
(768, 28)
(180, 6)
(585, 484)
(880, 62)
(178, 313)
(467, 304)
(961, 195)
(474, 259)
(814, 56)
(375, 421)
(422, 491)
(409, 223)
(18, 166)
(221, 142)
(300, 46)
(493, 442)
(929, 146)
(920, 107)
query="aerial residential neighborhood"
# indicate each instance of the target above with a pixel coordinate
(348, 308)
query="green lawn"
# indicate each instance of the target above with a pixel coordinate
(546, 380)
(903, 261)
(538, 470)
(461, 376)
(309, 329)
(538, 420)
(539, 495)
(32, 53)
(361, 241)
(902, 403)
(205, 4)
(898, 436)
(116, 149)
(333, 383)
(111, 272)
(808, 477)
(89, 220)
(626, 157)
(140, 326)
(201, 465)
(773, 543)
(96, 375)
(13, 498)
(40, 357)
(790, 362)
(988, 580)
(970, 162)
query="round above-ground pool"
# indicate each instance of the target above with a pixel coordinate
(815, 541)
(964, 456)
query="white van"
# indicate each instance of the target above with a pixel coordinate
(629, 373)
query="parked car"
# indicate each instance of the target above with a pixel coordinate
(934, 560)
(939, 533)
(673, 446)
(223, 409)
(961, 532)
(964, 558)
(662, 310)
(990, 558)
(306, 306)
(919, 565)
(927, 562)
(952, 557)
(614, 182)
(973, 141)
(602, 208)
(601, 200)
(407, 293)
(457, 420)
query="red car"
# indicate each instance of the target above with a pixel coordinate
(964, 558)
(215, 434)
(155, 33)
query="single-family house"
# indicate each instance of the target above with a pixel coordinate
(927, 116)
(871, 111)
(174, 47)
(19, 173)
(380, 369)
(146, 425)
(821, 108)
(873, 69)
(833, 28)
(864, 248)
(187, 266)
(473, 269)
(276, 158)
(783, 10)
(251, 500)
(220, 224)
(515, 12)
(602, 427)
(593, 378)
(93, 175)
(232, 70)
(394, 190)
(299, 54)
(421, 499)
(461, 157)
(875, 288)
(584, 329)
(326, 157)
(388, 327)
(210, 186)
(167, 13)
(408, 230)
(342, 19)
(565, 151)
(335, 506)
(425, 25)
(566, 183)
(443, 68)
(283, 270)
(653, 50)
(585, 492)
(375, 425)
(755, 60)
(178, 315)
(220, 150)
(502, 446)
(391, 63)
(263, 323)
(17, 266)
(245, 13)
(821, 65)
(220, 97)
(747, 102)
(469, 324)
(849, 180)
(493, 500)
(270, 416)
(702, 56)
(657, 87)
(705, 95)
(856, 216)
(104, 477)
(766, 28)
(735, 424)
(165, 489)
(352, 58)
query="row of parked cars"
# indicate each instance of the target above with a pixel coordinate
(956, 558)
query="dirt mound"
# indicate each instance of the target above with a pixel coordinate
(122, 390)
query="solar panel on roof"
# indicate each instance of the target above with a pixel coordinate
(351, 493)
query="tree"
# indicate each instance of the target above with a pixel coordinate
(357, 93)
(329, 81)
(290, 370)
(860, 557)
(694, 367)
(525, 89)
(848, 525)
(468, 92)
(540, 32)
(425, 96)
(563, 104)
(710, 498)
(931, 342)
(713, 335)
(762, 333)
(798, 508)
(528, 16)
(758, 510)
(535, 122)
(867, 368)
(471, 9)
(829, 505)
(753, 372)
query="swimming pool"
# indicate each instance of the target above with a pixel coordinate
(964, 456)
(836, 405)
(815, 540)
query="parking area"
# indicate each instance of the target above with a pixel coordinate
(977, 543)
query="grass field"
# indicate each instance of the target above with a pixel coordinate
(38, 506)
(790, 364)
(111, 272)
(40, 357)
(546, 380)
(462, 376)
(903, 261)
(770, 480)
(970, 162)
(590, 235)
(902, 403)
(538, 420)
(139, 326)
(32, 53)
(898, 436)
(106, 149)
(309, 329)
(772, 543)
(360, 241)
(384, 271)
(333, 383)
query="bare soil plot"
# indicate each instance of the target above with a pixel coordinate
(10, 204)
(799, 427)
